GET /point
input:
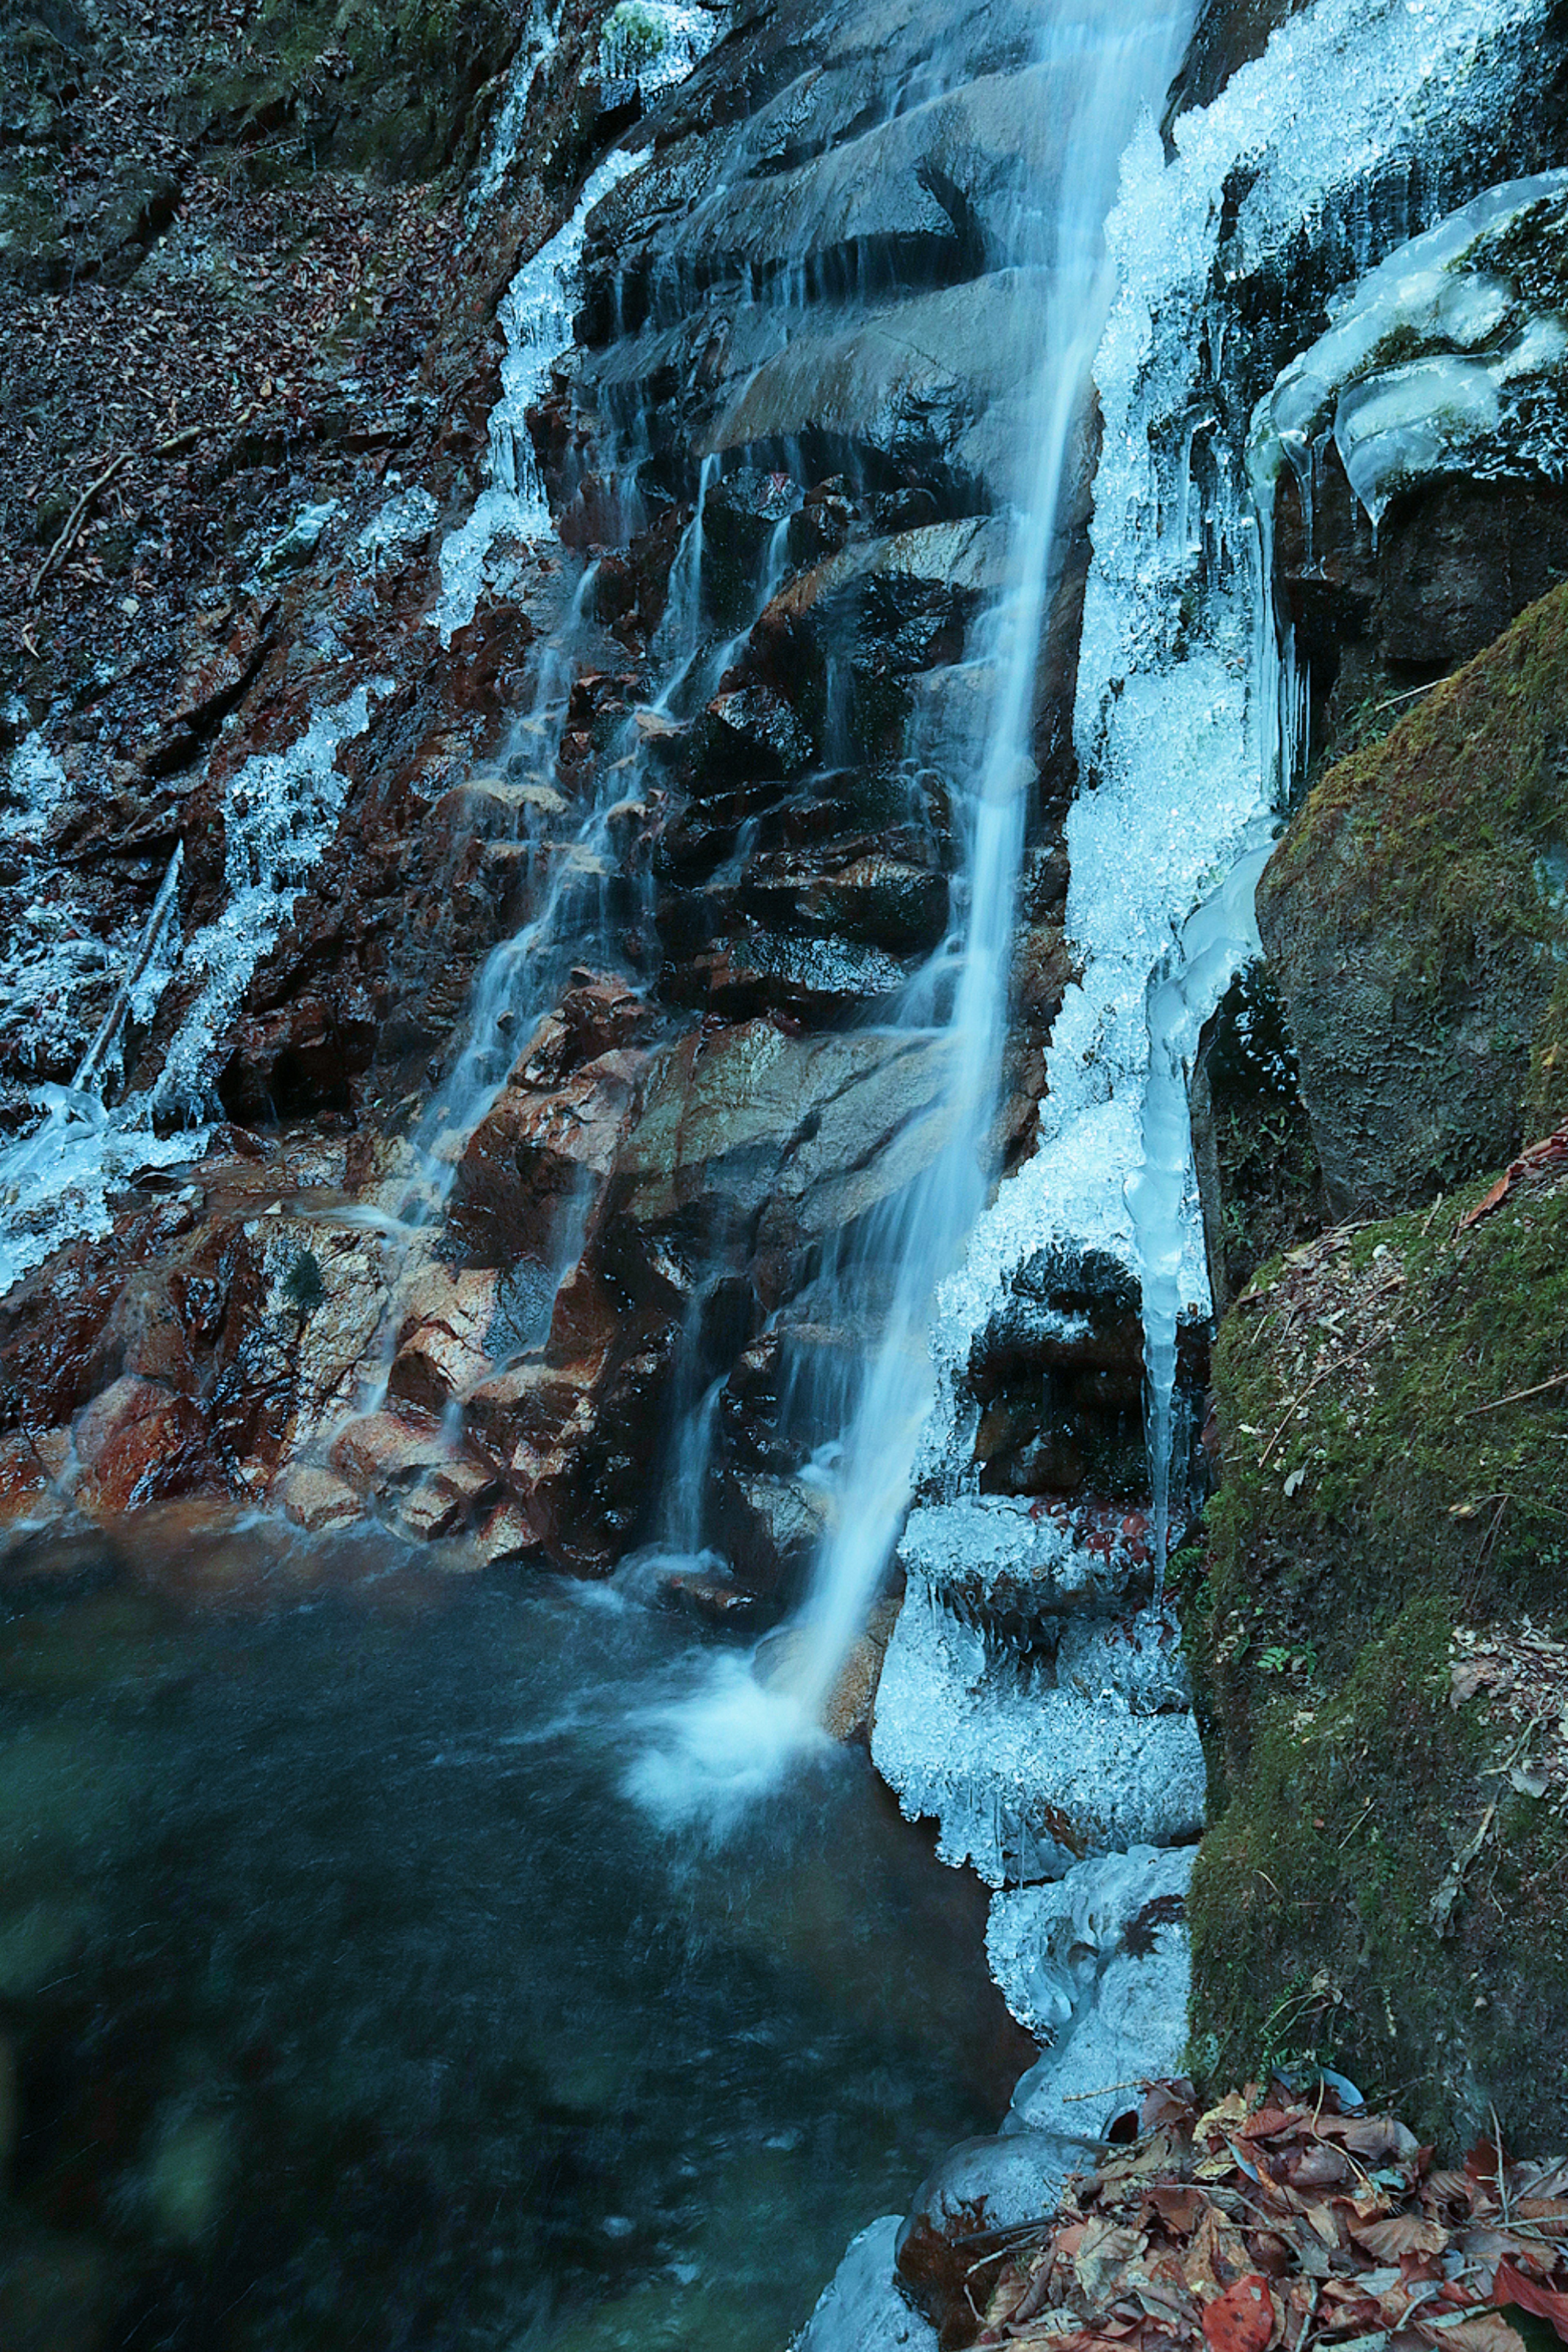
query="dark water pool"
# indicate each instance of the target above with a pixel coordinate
(347, 2000)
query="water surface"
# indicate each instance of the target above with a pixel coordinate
(354, 2003)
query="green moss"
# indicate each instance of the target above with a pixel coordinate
(1363, 1514)
(1449, 811)
(1531, 252)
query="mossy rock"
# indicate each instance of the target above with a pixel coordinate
(1416, 917)
(1396, 1467)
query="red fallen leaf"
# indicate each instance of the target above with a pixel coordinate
(1243, 2319)
(1268, 2121)
(1545, 2301)
(1551, 1148)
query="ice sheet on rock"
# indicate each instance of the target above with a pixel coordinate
(1186, 703)
(1015, 2176)
(1111, 1941)
(401, 523)
(280, 812)
(656, 43)
(34, 787)
(862, 2309)
(991, 1548)
(536, 46)
(280, 809)
(1047, 1946)
(1422, 369)
(535, 314)
(1024, 1768)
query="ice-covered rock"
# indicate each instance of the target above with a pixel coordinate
(1449, 356)
(536, 314)
(1028, 1763)
(1096, 1966)
(863, 2308)
(280, 809)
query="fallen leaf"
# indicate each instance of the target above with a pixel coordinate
(1400, 2235)
(1477, 2331)
(1547, 2302)
(1244, 2319)
(1179, 2205)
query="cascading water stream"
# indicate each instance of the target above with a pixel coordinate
(1114, 59)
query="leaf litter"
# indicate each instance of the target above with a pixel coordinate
(1275, 2221)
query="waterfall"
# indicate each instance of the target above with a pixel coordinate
(1120, 60)
(1109, 61)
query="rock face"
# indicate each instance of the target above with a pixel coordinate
(1374, 1611)
(1374, 1635)
(782, 442)
(1413, 919)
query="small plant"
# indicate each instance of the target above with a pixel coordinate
(632, 39)
(1280, 1659)
(302, 1284)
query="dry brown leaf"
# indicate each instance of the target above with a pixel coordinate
(1179, 2204)
(1477, 2331)
(1106, 2249)
(1400, 2235)
(1547, 2302)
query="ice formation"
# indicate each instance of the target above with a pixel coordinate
(656, 43)
(1096, 1967)
(861, 2308)
(1028, 1761)
(401, 523)
(1438, 360)
(1187, 722)
(536, 46)
(280, 810)
(536, 324)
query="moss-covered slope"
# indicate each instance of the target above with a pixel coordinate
(1382, 1884)
(1415, 919)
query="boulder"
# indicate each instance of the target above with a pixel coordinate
(1413, 921)
(447, 1315)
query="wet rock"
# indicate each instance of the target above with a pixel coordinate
(982, 2185)
(137, 1443)
(506, 1537)
(1413, 919)
(441, 1349)
(379, 1453)
(769, 1527)
(315, 1499)
(445, 1499)
(806, 1133)
(540, 1155)
(29, 1494)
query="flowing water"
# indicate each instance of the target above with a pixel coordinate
(1105, 63)
(353, 2004)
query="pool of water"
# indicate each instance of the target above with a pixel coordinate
(347, 1998)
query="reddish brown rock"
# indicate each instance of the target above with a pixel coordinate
(445, 1499)
(315, 1499)
(543, 1157)
(139, 1443)
(379, 1453)
(28, 1496)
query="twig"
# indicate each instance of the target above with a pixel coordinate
(174, 446)
(74, 522)
(1335, 1363)
(1517, 1396)
(1138, 2082)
